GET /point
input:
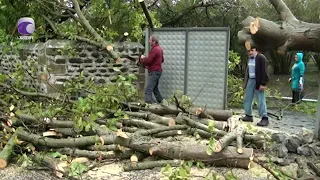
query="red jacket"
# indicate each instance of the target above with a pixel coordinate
(155, 59)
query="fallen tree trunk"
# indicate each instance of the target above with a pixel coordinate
(7, 151)
(288, 35)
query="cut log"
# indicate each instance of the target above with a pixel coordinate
(59, 143)
(153, 118)
(240, 134)
(170, 133)
(57, 166)
(137, 156)
(7, 151)
(282, 36)
(140, 123)
(153, 108)
(97, 154)
(221, 125)
(162, 129)
(151, 164)
(203, 114)
(171, 150)
(227, 139)
(188, 151)
(111, 147)
(199, 125)
(130, 129)
(218, 115)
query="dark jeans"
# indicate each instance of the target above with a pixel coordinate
(297, 95)
(152, 87)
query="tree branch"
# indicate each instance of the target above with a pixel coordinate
(284, 11)
(85, 23)
(187, 10)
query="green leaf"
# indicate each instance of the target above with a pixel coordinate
(200, 165)
(55, 154)
(183, 172)
(211, 126)
(100, 114)
(190, 163)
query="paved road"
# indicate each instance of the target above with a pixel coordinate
(292, 122)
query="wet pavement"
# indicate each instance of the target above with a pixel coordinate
(291, 122)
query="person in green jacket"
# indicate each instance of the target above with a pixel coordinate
(297, 81)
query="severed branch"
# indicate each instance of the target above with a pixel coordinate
(85, 23)
(25, 93)
(146, 13)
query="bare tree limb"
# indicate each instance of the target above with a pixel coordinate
(284, 12)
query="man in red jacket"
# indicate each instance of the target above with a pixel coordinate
(154, 65)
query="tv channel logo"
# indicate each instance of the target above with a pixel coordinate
(26, 27)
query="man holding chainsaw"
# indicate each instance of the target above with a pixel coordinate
(153, 63)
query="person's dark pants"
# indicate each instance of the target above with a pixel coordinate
(152, 87)
(297, 95)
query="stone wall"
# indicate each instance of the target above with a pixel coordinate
(64, 59)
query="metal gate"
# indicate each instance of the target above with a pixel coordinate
(196, 62)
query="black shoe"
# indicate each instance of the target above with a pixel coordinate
(264, 122)
(246, 118)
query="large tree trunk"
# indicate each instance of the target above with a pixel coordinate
(290, 34)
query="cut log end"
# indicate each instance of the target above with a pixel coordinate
(9, 123)
(240, 150)
(171, 122)
(3, 163)
(101, 140)
(218, 147)
(49, 133)
(254, 26)
(150, 151)
(247, 44)
(134, 159)
(110, 48)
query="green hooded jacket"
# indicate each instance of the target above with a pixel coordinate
(297, 71)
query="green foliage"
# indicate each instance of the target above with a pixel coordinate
(100, 99)
(212, 141)
(235, 89)
(24, 160)
(77, 169)
(177, 173)
(184, 101)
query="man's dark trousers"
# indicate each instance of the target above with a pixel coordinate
(152, 87)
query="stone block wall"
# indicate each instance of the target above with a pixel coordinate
(65, 59)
